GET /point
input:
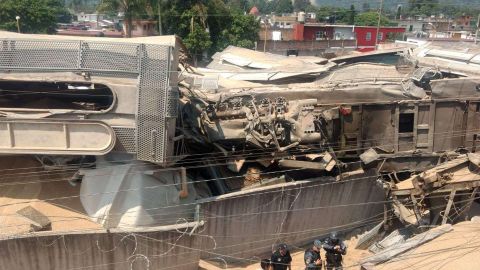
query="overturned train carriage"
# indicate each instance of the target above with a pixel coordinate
(104, 107)
(65, 100)
(88, 97)
(418, 115)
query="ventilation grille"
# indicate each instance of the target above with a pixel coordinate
(125, 140)
(152, 100)
(39, 54)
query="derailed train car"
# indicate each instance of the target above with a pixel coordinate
(405, 118)
(66, 101)
(147, 153)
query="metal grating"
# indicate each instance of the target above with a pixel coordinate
(125, 139)
(38, 54)
(110, 57)
(206, 83)
(172, 105)
(152, 99)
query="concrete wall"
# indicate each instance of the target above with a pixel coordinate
(287, 34)
(46, 251)
(304, 47)
(238, 225)
(294, 214)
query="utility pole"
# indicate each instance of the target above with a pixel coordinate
(265, 38)
(378, 24)
(478, 26)
(160, 30)
(18, 23)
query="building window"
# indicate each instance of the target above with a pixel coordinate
(380, 36)
(405, 122)
(369, 36)
(320, 35)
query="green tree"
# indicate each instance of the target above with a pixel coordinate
(87, 6)
(36, 16)
(226, 26)
(238, 5)
(333, 15)
(371, 19)
(282, 6)
(399, 12)
(243, 32)
(300, 5)
(193, 22)
(263, 6)
(365, 7)
(130, 8)
(219, 18)
(425, 7)
(351, 16)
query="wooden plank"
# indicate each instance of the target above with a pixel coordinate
(449, 206)
(301, 164)
(413, 242)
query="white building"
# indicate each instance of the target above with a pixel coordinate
(341, 32)
(92, 17)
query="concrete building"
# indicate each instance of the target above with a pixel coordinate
(365, 36)
(439, 24)
(465, 23)
(412, 25)
(316, 38)
(144, 28)
(284, 22)
(314, 31)
(90, 17)
(343, 32)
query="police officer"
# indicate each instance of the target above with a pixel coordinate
(312, 258)
(266, 264)
(281, 259)
(334, 249)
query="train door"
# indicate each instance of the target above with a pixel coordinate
(449, 124)
(406, 130)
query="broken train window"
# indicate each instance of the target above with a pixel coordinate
(55, 95)
(405, 122)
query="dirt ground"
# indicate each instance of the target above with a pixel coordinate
(351, 259)
(24, 183)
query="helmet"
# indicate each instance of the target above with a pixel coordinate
(334, 237)
(317, 243)
(283, 246)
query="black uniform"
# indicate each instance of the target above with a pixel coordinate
(334, 257)
(310, 257)
(280, 262)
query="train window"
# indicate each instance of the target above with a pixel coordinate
(405, 122)
(55, 95)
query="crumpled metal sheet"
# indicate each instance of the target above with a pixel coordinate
(247, 65)
(128, 195)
